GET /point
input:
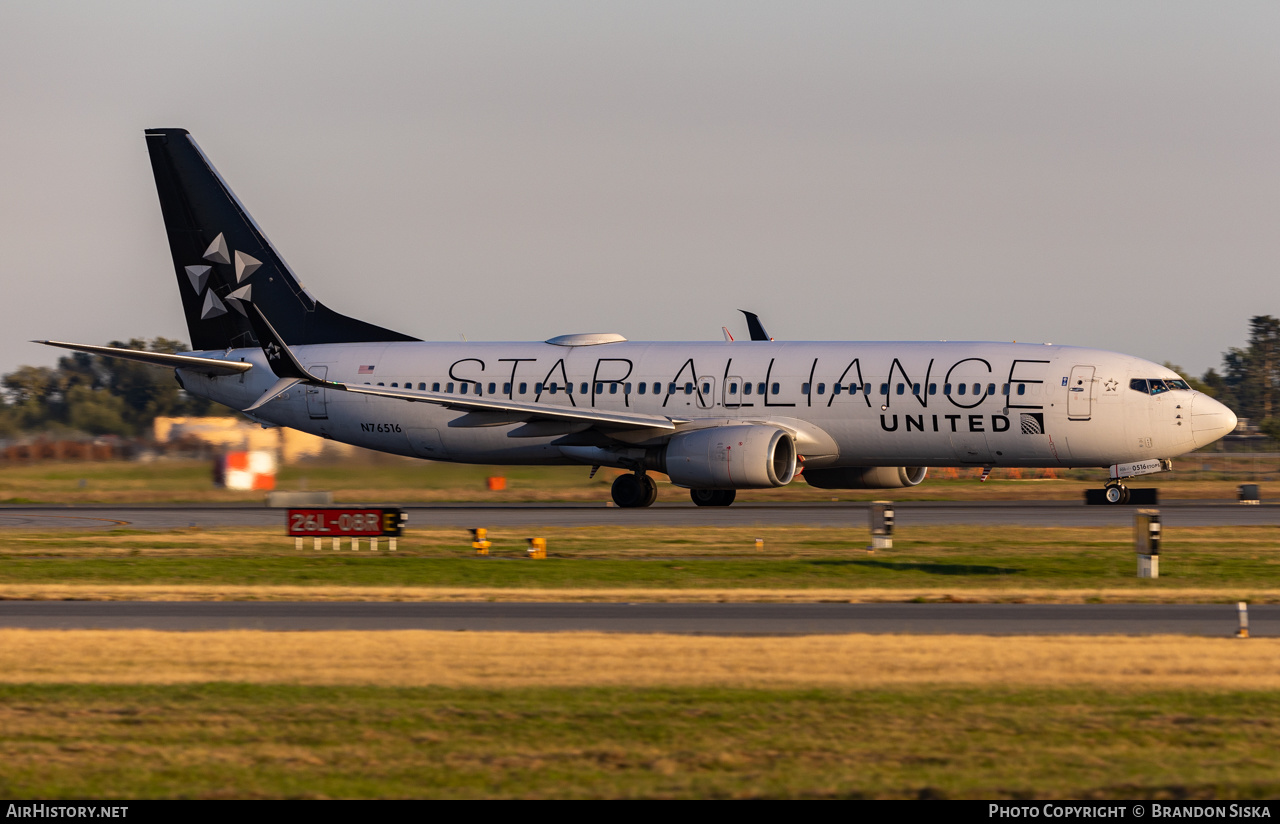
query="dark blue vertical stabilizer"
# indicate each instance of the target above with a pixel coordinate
(220, 256)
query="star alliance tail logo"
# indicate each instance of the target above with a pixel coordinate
(273, 351)
(1032, 423)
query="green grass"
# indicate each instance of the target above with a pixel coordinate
(230, 740)
(599, 557)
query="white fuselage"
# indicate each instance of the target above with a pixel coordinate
(849, 404)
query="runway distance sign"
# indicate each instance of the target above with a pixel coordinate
(359, 522)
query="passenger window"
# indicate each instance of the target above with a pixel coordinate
(422, 387)
(380, 383)
(657, 388)
(900, 388)
(1004, 389)
(933, 389)
(915, 389)
(463, 387)
(506, 388)
(977, 389)
(1139, 384)
(584, 388)
(866, 388)
(643, 386)
(671, 389)
(733, 389)
(991, 389)
(822, 389)
(760, 389)
(706, 389)
(1022, 389)
(962, 388)
(568, 388)
(435, 387)
(835, 389)
(946, 389)
(804, 389)
(688, 388)
(537, 388)
(493, 387)
(448, 387)
(613, 389)
(524, 388)
(393, 383)
(884, 389)
(479, 389)
(553, 388)
(746, 389)
(626, 389)
(774, 389)
(599, 388)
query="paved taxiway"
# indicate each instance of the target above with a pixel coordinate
(850, 514)
(1212, 620)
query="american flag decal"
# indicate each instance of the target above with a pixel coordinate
(365, 370)
(1032, 423)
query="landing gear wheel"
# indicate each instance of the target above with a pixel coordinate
(713, 497)
(1116, 494)
(650, 490)
(631, 491)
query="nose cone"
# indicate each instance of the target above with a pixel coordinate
(1210, 420)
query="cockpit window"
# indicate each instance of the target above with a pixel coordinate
(1157, 386)
(1178, 385)
(1139, 384)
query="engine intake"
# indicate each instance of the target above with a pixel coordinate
(731, 457)
(866, 477)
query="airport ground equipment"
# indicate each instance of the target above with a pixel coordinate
(881, 518)
(354, 523)
(1249, 494)
(1242, 608)
(1146, 542)
(480, 540)
(537, 547)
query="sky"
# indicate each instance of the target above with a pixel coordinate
(1092, 173)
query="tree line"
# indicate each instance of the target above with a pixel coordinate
(95, 395)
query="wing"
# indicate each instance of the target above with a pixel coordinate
(205, 366)
(519, 410)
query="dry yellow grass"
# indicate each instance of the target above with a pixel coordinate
(504, 659)
(865, 595)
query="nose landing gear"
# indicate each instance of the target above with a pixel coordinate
(1116, 493)
(634, 490)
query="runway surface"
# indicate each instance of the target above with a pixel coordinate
(1019, 513)
(1214, 620)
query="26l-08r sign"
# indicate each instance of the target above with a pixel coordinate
(340, 522)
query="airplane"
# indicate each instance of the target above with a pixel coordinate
(715, 417)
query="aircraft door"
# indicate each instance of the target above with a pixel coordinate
(317, 396)
(706, 392)
(1080, 393)
(732, 392)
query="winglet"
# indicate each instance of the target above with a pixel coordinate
(754, 326)
(279, 356)
(728, 338)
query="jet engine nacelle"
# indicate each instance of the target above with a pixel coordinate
(866, 477)
(731, 457)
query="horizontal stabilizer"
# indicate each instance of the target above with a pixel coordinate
(193, 363)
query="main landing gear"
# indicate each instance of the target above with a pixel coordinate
(713, 497)
(1116, 493)
(634, 490)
